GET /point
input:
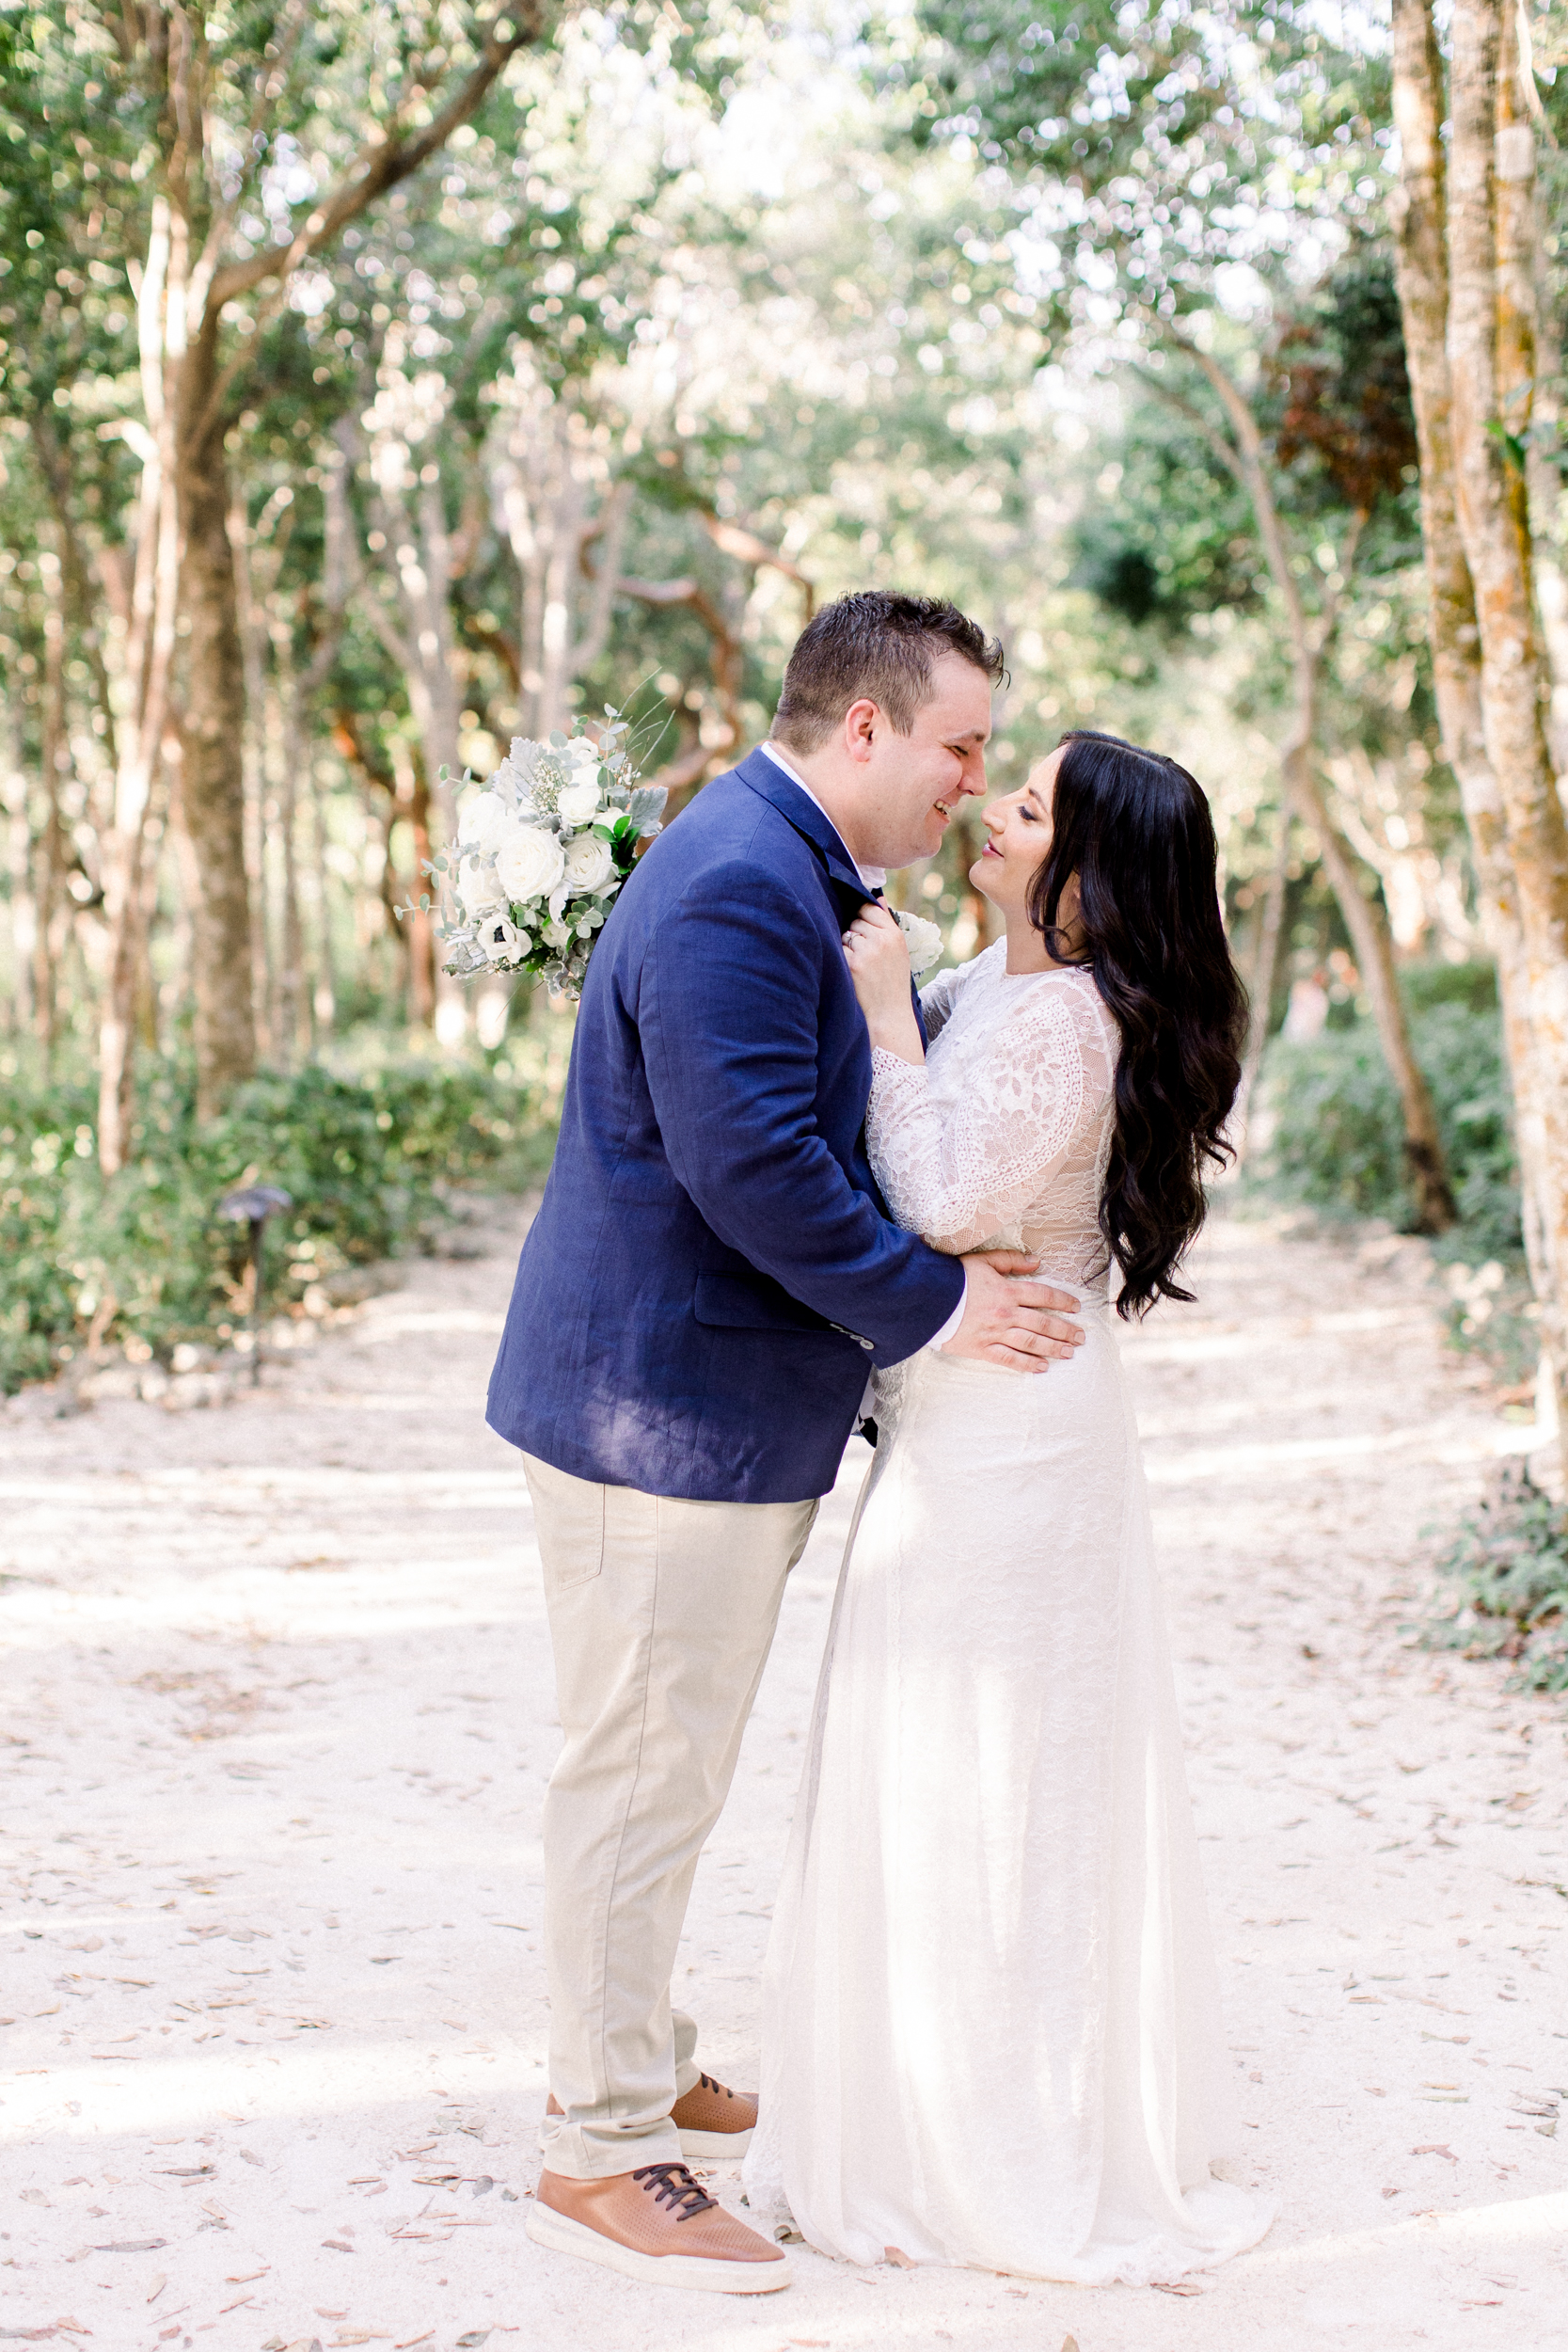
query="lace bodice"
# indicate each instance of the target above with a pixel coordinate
(1002, 1137)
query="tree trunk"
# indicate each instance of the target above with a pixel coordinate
(1365, 919)
(425, 980)
(253, 762)
(213, 793)
(1265, 977)
(324, 994)
(147, 656)
(1490, 214)
(1421, 267)
(292, 1029)
(50, 866)
(1367, 924)
(21, 864)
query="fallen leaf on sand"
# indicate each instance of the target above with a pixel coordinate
(133, 2246)
(408, 2341)
(1433, 2148)
(1175, 2286)
(161, 2282)
(899, 2260)
(1070, 2344)
(339, 2245)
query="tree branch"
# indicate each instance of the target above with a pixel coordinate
(387, 165)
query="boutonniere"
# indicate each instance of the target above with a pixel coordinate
(922, 939)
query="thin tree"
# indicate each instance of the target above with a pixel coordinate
(1490, 227)
(1421, 225)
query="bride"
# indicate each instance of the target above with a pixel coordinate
(991, 2033)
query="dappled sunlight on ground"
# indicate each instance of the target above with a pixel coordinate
(280, 1714)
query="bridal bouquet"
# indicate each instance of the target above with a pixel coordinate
(543, 848)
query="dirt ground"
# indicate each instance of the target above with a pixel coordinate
(279, 1715)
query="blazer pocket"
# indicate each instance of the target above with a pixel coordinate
(750, 1302)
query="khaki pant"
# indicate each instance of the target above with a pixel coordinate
(661, 1616)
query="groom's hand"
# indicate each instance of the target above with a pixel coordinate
(1024, 1325)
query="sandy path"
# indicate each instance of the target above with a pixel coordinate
(279, 1714)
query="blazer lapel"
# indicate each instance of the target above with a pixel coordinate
(768, 781)
(845, 886)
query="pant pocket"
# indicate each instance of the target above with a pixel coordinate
(572, 1542)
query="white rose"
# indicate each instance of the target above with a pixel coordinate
(529, 863)
(477, 887)
(556, 934)
(579, 803)
(589, 864)
(582, 752)
(501, 941)
(485, 821)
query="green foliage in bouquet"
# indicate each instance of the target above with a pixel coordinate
(1503, 1583)
(144, 1257)
(1332, 1119)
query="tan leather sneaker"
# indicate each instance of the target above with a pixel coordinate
(658, 2226)
(711, 2120)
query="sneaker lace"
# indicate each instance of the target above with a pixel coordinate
(672, 2184)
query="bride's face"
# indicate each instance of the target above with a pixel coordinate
(1020, 835)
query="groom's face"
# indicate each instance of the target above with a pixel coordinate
(920, 780)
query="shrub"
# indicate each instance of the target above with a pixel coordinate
(142, 1256)
(1333, 1128)
(1506, 1574)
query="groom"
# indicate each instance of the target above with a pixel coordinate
(705, 1288)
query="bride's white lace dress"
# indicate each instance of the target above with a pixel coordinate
(992, 2030)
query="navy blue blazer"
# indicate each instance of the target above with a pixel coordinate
(712, 1272)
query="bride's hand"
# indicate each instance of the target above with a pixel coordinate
(879, 964)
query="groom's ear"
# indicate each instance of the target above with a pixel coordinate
(863, 723)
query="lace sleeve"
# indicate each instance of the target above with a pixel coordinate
(964, 1175)
(936, 1001)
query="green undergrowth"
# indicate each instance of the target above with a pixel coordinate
(1331, 1138)
(142, 1259)
(1502, 1589)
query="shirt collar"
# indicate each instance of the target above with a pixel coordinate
(874, 878)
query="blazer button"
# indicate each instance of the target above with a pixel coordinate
(869, 1345)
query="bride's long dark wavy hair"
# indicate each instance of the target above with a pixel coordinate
(1135, 830)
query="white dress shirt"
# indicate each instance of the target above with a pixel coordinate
(873, 878)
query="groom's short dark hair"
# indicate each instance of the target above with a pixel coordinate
(875, 646)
